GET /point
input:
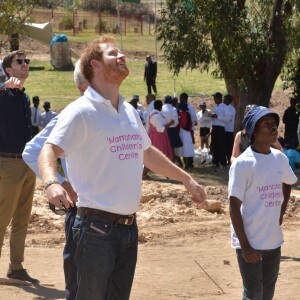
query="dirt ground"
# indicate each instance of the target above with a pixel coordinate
(184, 251)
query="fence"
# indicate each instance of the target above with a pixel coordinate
(79, 21)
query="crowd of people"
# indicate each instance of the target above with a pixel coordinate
(101, 138)
(171, 126)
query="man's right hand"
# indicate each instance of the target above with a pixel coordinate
(58, 196)
(13, 83)
(251, 255)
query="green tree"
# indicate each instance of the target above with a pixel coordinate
(291, 70)
(13, 14)
(247, 41)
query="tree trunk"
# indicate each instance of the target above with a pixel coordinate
(258, 92)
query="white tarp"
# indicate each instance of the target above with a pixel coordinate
(40, 32)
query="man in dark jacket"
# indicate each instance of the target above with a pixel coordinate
(150, 74)
(290, 119)
(17, 180)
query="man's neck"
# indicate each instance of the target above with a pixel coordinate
(262, 148)
(108, 91)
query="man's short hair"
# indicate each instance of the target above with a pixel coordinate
(7, 60)
(217, 95)
(158, 104)
(93, 51)
(229, 97)
(35, 99)
(136, 97)
(47, 104)
(168, 99)
(183, 97)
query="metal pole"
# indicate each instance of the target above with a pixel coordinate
(120, 25)
(52, 22)
(174, 88)
(155, 22)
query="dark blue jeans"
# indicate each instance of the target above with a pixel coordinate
(69, 254)
(105, 258)
(259, 279)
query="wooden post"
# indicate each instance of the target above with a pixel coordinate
(125, 25)
(73, 22)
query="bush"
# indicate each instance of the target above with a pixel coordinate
(67, 22)
(102, 26)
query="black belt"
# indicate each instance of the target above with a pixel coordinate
(120, 219)
(11, 155)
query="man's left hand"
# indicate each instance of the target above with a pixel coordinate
(69, 189)
(197, 191)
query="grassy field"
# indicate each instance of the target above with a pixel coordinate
(58, 87)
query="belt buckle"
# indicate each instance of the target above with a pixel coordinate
(129, 220)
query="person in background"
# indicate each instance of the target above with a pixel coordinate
(47, 115)
(30, 155)
(220, 117)
(291, 119)
(185, 133)
(17, 181)
(3, 76)
(175, 102)
(150, 99)
(170, 113)
(158, 130)
(290, 150)
(183, 98)
(298, 131)
(139, 107)
(35, 115)
(204, 121)
(106, 176)
(259, 189)
(229, 127)
(150, 74)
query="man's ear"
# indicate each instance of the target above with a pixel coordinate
(8, 70)
(96, 64)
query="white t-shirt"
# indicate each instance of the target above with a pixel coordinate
(229, 126)
(46, 117)
(170, 113)
(193, 115)
(256, 179)
(158, 120)
(147, 113)
(104, 151)
(222, 112)
(203, 119)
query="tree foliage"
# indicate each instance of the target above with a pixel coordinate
(248, 41)
(13, 14)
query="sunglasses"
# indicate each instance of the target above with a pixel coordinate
(58, 211)
(20, 61)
